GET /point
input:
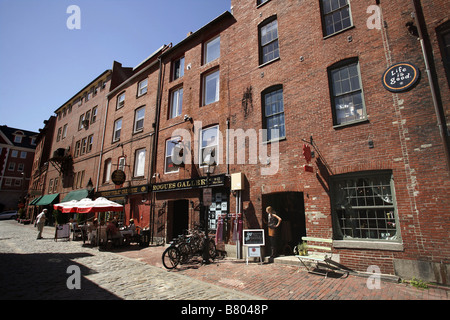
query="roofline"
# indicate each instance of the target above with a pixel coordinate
(225, 15)
(85, 87)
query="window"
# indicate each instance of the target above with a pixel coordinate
(23, 154)
(169, 165)
(55, 185)
(94, 114)
(273, 109)
(364, 206)
(178, 68)
(17, 182)
(33, 141)
(122, 163)
(17, 139)
(139, 163)
(20, 167)
(64, 131)
(348, 102)
(176, 103)
(90, 142)
(444, 44)
(117, 130)
(139, 115)
(81, 122)
(14, 153)
(50, 186)
(87, 117)
(336, 16)
(8, 181)
(212, 50)
(11, 166)
(209, 145)
(58, 136)
(211, 87)
(120, 101)
(83, 146)
(107, 171)
(77, 149)
(268, 37)
(142, 87)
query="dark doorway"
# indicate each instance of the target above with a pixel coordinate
(179, 216)
(291, 208)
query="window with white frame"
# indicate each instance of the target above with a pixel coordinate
(347, 94)
(64, 131)
(8, 182)
(139, 163)
(107, 170)
(20, 167)
(11, 166)
(17, 139)
(211, 87)
(94, 114)
(120, 100)
(90, 143)
(268, 38)
(117, 130)
(336, 16)
(142, 87)
(209, 146)
(17, 182)
(80, 122)
(14, 153)
(212, 50)
(364, 206)
(169, 165)
(50, 186)
(176, 103)
(273, 108)
(23, 154)
(178, 68)
(139, 116)
(58, 135)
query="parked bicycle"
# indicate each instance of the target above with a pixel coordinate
(187, 246)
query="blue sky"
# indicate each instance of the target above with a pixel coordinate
(43, 63)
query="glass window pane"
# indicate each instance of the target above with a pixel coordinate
(212, 50)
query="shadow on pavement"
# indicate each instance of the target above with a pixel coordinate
(44, 276)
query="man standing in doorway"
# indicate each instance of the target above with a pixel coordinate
(40, 221)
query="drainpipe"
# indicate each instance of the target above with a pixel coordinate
(425, 44)
(101, 147)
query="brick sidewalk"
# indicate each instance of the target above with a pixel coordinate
(285, 282)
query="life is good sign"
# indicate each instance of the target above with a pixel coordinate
(400, 77)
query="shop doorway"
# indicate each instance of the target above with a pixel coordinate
(178, 220)
(290, 207)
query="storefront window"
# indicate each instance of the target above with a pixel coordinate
(218, 207)
(364, 206)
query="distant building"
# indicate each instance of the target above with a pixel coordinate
(17, 147)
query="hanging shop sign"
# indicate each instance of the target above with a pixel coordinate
(214, 181)
(118, 177)
(400, 77)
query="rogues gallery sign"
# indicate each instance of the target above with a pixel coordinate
(189, 184)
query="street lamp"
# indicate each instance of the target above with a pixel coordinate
(90, 188)
(208, 169)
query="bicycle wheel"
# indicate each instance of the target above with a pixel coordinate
(171, 257)
(212, 249)
(185, 252)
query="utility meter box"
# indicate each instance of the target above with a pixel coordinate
(237, 181)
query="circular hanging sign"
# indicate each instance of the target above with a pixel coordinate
(118, 177)
(400, 77)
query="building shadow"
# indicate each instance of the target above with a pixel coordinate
(44, 276)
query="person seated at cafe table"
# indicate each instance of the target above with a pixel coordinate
(113, 232)
(92, 231)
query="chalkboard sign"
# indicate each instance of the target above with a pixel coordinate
(62, 231)
(400, 77)
(253, 237)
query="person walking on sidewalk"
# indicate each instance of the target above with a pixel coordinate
(40, 221)
(273, 222)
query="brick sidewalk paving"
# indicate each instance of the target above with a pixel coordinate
(285, 282)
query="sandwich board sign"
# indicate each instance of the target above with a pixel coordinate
(253, 239)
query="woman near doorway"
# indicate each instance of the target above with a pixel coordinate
(273, 222)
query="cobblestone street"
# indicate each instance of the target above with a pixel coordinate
(37, 269)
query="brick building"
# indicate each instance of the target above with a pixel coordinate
(128, 139)
(258, 87)
(17, 149)
(39, 170)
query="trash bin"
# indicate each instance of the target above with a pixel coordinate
(145, 238)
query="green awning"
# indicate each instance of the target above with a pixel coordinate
(76, 195)
(33, 203)
(47, 199)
